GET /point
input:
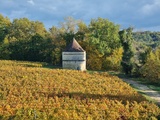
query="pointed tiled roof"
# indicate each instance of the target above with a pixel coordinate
(74, 47)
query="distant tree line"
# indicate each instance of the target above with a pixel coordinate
(148, 38)
(107, 47)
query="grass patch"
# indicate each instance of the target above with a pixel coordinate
(154, 87)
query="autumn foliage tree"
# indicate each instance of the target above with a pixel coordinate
(103, 35)
(151, 68)
(4, 28)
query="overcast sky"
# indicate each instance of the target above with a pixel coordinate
(140, 14)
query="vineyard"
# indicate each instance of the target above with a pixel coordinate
(28, 92)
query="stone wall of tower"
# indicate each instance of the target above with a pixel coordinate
(74, 60)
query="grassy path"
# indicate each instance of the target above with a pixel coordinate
(154, 95)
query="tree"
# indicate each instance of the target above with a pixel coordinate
(126, 41)
(151, 68)
(4, 26)
(104, 35)
(83, 31)
(94, 58)
(144, 55)
(24, 29)
(113, 62)
(69, 28)
(55, 33)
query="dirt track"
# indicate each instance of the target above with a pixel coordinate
(144, 89)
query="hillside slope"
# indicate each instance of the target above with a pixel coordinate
(29, 91)
(147, 38)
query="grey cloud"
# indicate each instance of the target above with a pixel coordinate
(150, 9)
(138, 13)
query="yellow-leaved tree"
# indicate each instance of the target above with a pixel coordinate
(151, 69)
(113, 62)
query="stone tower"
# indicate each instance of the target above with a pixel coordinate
(74, 57)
